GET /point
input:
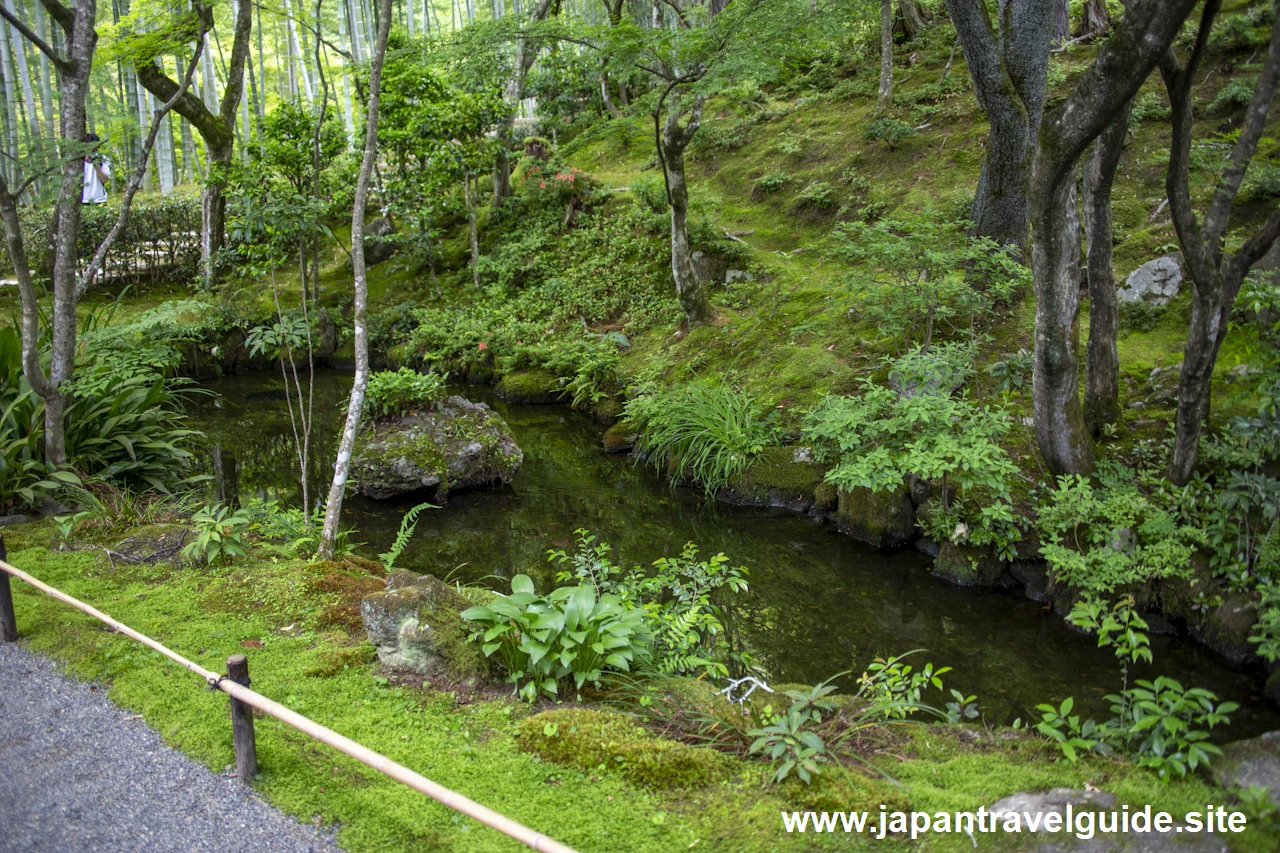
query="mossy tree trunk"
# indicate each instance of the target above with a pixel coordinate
(355, 405)
(1102, 365)
(675, 139)
(525, 54)
(216, 129)
(74, 61)
(1121, 66)
(909, 19)
(1215, 275)
(884, 97)
(1009, 66)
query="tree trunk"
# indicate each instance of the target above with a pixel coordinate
(884, 96)
(1009, 68)
(675, 139)
(909, 19)
(1095, 20)
(1121, 66)
(525, 55)
(1061, 21)
(473, 230)
(1102, 367)
(1215, 276)
(355, 405)
(604, 96)
(217, 130)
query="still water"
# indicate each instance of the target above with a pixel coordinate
(818, 604)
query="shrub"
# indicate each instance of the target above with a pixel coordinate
(650, 194)
(771, 182)
(709, 433)
(1237, 93)
(398, 392)
(1139, 316)
(570, 632)
(889, 130)
(1148, 107)
(818, 196)
(220, 535)
(1110, 537)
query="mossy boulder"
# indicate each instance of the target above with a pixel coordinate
(456, 445)
(881, 519)
(620, 438)
(590, 740)
(1251, 763)
(778, 477)
(968, 565)
(528, 387)
(607, 410)
(416, 626)
(1227, 628)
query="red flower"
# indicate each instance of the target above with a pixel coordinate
(542, 185)
(483, 345)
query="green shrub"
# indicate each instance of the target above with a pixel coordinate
(889, 130)
(1237, 93)
(709, 433)
(650, 194)
(393, 393)
(771, 182)
(819, 196)
(570, 632)
(1148, 107)
(1110, 537)
(1139, 316)
(220, 535)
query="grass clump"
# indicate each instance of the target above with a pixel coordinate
(395, 392)
(707, 433)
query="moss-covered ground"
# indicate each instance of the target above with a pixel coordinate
(596, 781)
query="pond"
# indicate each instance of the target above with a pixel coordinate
(819, 603)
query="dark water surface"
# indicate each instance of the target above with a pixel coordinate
(818, 603)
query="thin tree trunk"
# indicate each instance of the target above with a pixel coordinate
(1095, 21)
(525, 55)
(10, 102)
(297, 54)
(1061, 21)
(675, 139)
(1102, 365)
(884, 97)
(355, 405)
(473, 230)
(46, 75)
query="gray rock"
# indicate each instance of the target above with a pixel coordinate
(1155, 282)
(416, 627)
(1251, 763)
(880, 519)
(1055, 800)
(928, 547)
(732, 276)
(458, 444)
(379, 240)
(6, 520)
(802, 454)
(1137, 842)
(1034, 577)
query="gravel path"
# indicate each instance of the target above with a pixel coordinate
(77, 774)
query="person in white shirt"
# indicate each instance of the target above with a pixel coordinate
(97, 174)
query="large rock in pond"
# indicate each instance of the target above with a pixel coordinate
(968, 565)
(456, 445)
(1155, 282)
(416, 627)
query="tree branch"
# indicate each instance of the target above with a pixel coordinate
(65, 17)
(1255, 119)
(30, 36)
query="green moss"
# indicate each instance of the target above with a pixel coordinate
(776, 468)
(967, 566)
(528, 387)
(620, 438)
(605, 741)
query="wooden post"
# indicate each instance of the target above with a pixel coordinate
(242, 722)
(8, 621)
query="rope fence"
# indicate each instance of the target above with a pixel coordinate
(235, 684)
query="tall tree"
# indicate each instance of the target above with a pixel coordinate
(1009, 64)
(1102, 363)
(884, 94)
(355, 405)
(1216, 275)
(1120, 68)
(675, 139)
(217, 129)
(74, 64)
(526, 51)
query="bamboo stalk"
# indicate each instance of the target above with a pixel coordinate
(446, 797)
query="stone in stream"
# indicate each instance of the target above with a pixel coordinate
(1251, 763)
(456, 445)
(416, 627)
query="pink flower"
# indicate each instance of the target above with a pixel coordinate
(542, 185)
(483, 345)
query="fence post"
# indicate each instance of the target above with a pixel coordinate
(8, 621)
(242, 722)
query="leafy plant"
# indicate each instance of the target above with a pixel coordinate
(889, 130)
(897, 687)
(401, 391)
(220, 535)
(408, 525)
(708, 433)
(771, 182)
(571, 632)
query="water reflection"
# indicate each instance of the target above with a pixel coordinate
(819, 602)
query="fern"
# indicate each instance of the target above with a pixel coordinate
(407, 525)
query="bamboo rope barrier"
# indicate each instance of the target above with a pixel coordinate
(450, 799)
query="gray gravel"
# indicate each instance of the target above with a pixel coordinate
(78, 774)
